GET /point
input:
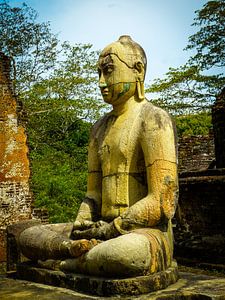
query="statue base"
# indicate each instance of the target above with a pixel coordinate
(99, 286)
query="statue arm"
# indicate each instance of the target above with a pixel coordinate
(85, 226)
(158, 145)
(89, 210)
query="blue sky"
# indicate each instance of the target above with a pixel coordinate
(161, 27)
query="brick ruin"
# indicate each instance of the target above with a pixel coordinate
(196, 152)
(218, 119)
(15, 196)
(200, 223)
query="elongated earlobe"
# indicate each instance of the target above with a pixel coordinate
(140, 89)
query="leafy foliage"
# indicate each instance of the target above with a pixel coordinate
(58, 133)
(71, 88)
(186, 90)
(30, 45)
(57, 84)
(189, 88)
(195, 124)
(209, 41)
(59, 167)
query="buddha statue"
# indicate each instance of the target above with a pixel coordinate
(123, 227)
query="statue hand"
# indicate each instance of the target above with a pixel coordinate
(101, 230)
(86, 224)
(100, 223)
(83, 234)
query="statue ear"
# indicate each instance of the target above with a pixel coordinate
(140, 68)
(140, 80)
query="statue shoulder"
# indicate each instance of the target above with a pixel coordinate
(99, 126)
(150, 109)
(152, 114)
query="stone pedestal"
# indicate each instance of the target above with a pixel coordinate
(99, 286)
(188, 287)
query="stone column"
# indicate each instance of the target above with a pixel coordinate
(15, 197)
(218, 119)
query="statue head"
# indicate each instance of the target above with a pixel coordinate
(122, 67)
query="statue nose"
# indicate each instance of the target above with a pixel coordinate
(102, 84)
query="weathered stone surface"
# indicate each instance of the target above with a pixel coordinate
(13, 148)
(15, 197)
(200, 227)
(188, 287)
(55, 243)
(13, 232)
(124, 258)
(99, 286)
(11, 289)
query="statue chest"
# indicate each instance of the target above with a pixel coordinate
(119, 145)
(122, 163)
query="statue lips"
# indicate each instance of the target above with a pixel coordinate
(104, 92)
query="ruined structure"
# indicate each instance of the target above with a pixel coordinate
(196, 152)
(200, 222)
(218, 117)
(15, 197)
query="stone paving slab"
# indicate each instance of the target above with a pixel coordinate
(189, 287)
(12, 289)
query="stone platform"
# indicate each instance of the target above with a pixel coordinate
(189, 287)
(96, 285)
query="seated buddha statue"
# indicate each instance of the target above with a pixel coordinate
(123, 227)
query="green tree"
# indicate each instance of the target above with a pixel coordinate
(45, 71)
(209, 41)
(71, 88)
(186, 90)
(193, 87)
(59, 167)
(57, 84)
(31, 46)
(59, 107)
(193, 124)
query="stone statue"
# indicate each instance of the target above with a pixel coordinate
(123, 227)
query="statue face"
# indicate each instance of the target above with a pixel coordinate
(117, 80)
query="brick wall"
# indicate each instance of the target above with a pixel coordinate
(195, 152)
(15, 196)
(218, 119)
(40, 214)
(200, 223)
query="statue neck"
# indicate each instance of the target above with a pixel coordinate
(122, 107)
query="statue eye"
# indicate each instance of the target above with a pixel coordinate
(108, 69)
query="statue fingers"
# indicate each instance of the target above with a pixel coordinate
(82, 234)
(100, 223)
(84, 224)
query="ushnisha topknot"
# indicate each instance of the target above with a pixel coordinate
(127, 51)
